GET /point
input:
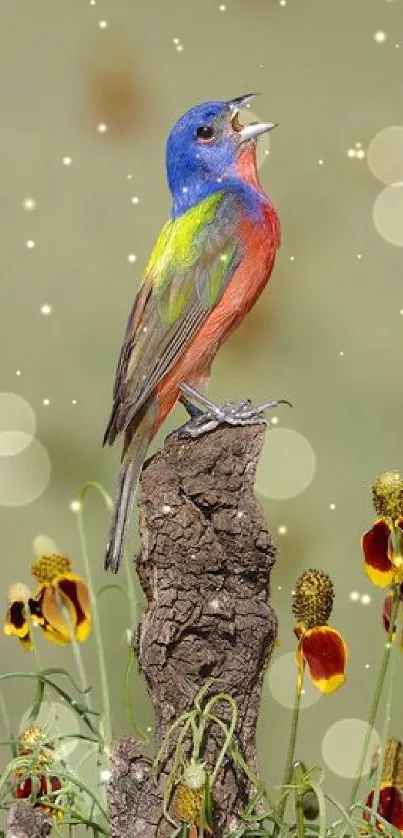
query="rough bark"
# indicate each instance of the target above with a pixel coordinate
(24, 821)
(204, 566)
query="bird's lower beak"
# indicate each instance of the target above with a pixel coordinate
(249, 132)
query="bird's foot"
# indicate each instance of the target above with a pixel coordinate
(201, 422)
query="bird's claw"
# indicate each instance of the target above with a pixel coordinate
(230, 413)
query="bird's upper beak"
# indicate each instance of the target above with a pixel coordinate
(247, 132)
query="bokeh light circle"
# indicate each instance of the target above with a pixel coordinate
(246, 116)
(281, 681)
(388, 214)
(287, 464)
(16, 414)
(56, 719)
(385, 154)
(25, 475)
(342, 747)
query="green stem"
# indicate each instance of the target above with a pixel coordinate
(288, 770)
(103, 675)
(131, 590)
(230, 733)
(299, 806)
(7, 723)
(85, 687)
(81, 671)
(379, 684)
(127, 697)
(389, 702)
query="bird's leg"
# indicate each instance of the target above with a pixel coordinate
(192, 410)
(202, 422)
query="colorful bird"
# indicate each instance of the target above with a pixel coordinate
(210, 264)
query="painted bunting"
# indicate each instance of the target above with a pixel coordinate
(210, 264)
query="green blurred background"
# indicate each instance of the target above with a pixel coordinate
(88, 92)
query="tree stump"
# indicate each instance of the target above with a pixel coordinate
(205, 568)
(24, 821)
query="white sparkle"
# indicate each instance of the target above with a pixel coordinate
(129, 177)
(166, 508)
(332, 506)
(401, 311)
(46, 402)
(75, 506)
(102, 128)
(176, 40)
(18, 372)
(135, 199)
(239, 514)
(380, 37)
(274, 420)
(279, 588)
(365, 599)
(179, 48)
(185, 189)
(105, 775)
(29, 203)
(282, 2)
(282, 530)
(67, 161)
(367, 666)
(359, 255)
(132, 257)
(388, 645)
(214, 604)
(360, 154)
(149, 729)
(267, 151)
(46, 309)
(222, 8)
(341, 354)
(74, 401)
(303, 692)
(358, 145)
(292, 258)
(397, 46)
(93, 2)
(103, 24)
(320, 162)
(30, 244)
(351, 152)
(354, 596)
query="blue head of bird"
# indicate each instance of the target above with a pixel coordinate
(205, 146)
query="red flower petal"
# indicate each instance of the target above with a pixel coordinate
(325, 653)
(376, 548)
(390, 806)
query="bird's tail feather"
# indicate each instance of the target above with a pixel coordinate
(124, 498)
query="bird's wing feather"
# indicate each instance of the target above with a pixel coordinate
(193, 261)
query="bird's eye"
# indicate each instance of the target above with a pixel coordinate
(205, 133)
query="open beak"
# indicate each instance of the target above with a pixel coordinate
(247, 132)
